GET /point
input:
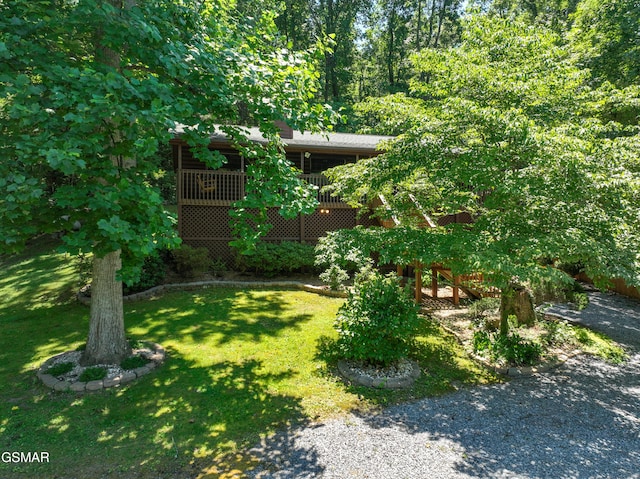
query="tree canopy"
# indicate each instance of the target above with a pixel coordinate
(505, 127)
(90, 88)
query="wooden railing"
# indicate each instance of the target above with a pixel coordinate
(221, 188)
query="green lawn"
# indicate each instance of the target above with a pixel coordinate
(241, 363)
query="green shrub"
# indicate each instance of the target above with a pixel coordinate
(93, 374)
(510, 347)
(152, 274)
(333, 251)
(190, 262)
(516, 350)
(378, 322)
(484, 307)
(133, 362)
(217, 267)
(60, 369)
(335, 277)
(557, 333)
(271, 259)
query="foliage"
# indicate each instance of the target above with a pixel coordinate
(605, 36)
(217, 267)
(511, 347)
(94, 373)
(271, 259)
(60, 368)
(189, 261)
(91, 88)
(133, 362)
(330, 252)
(508, 129)
(152, 274)
(484, 307)
(335, 277)
(378, 322)
(557, 292)
(558, 332)
(249, 352)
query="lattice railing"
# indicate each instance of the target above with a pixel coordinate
(220, 188)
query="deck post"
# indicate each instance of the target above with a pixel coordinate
(456, 290)
(434, 282)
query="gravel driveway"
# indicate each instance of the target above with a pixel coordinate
(580, 420)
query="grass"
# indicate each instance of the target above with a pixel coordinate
(241, 364)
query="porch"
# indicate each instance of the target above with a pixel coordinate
(222, 188)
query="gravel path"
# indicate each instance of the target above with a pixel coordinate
(581, 420)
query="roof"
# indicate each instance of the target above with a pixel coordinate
(329, 141)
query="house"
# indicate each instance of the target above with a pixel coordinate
(205, 196)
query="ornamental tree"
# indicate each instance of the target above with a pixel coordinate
(504, 127)
(90, 88)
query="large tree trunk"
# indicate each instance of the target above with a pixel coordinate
(516, 301)
(106, 343)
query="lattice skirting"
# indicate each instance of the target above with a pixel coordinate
(208, 226)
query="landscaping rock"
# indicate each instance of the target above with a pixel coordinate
(95, 385)
(78, 387)
(108, 383)
(62, 386)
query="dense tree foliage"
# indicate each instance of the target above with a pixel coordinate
(90, 88)
(606, 35)
(505, 127)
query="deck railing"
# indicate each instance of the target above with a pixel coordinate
(220, 188)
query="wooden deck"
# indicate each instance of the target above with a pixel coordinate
(222, 188)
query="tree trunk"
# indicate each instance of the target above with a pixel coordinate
(516, 301)
(443, 9)
(106, 343)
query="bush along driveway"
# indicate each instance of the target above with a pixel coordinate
(581, 420)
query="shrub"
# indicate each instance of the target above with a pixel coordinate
(271, 259)
(60, 369)
(378, 322)
(516, 350)
(152, 274)
(330, 250)
(133, 362)
(510, 347)
(93, 374)
(484, 307)
(217, 267)
(191, 261)
(340, 260)
(335, 277)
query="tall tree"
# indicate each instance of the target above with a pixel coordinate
(398, 28)
(606, 35)
(552, 13)
(90, 88)
(336, 19)
(507, 130)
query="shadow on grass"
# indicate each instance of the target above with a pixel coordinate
(190, 418)
(224, 314)
(444, 368)
(183, 420)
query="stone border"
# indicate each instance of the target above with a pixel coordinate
(164, 288)
(380, 383)
(126, 377)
